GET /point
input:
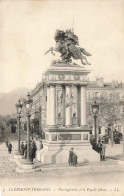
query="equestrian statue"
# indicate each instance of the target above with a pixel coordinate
(67, 44)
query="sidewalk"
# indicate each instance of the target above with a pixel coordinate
(8, 165)
(105, 164)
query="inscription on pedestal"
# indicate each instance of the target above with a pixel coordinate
(69, 137)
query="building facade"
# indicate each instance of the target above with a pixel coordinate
(113, 91)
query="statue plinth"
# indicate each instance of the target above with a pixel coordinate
(66, 115)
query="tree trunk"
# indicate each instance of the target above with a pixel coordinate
(112, 143)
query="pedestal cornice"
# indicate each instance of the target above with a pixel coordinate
(67, 83)
(63, 70)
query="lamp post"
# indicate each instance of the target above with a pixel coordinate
(95, 109)
(28, 103)
(19, 109)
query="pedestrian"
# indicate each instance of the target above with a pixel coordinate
(9, 147)
(74, 158)
(7, 143)
(103, 151)
(33, 150)
(70, 160)
(99, 147)
(41, 145)
(30, 151)
(22, 148)
(25, 150)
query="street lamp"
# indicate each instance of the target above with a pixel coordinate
(28, 104)
(19, 109)
(95, 110)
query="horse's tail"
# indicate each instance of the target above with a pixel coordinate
(85, 52)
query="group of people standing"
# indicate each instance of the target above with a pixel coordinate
(32, 149)
(72, 158)
(101, 149)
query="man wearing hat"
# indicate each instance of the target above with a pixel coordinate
(103, 150)
(99, 147)
(71, 152)
(41, 145)
(25, 150)
(22, 148)
(74, 159)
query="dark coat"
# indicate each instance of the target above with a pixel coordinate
(70, 157)
(22, 148)
(74, 159)
(9, 147)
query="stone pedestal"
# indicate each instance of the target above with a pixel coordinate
(59, 142)
(66, 100)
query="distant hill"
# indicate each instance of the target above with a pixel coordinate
(8, 100)
(21, 91)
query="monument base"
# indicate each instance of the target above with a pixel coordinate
(59, 153)
(59, 142)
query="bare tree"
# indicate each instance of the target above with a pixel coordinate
(109, 114)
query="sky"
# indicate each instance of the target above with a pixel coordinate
(27, 30)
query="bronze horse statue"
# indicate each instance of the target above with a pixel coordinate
(67, 45)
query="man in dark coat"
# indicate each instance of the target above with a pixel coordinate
(9, 147)
(25, 150)
(41, 145)
(33, 150)
(103, 150)
(22, 148)
(7, 143)
(74, 159)
(99, 147)
(71, 152)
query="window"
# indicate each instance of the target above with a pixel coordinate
(120, 128)
(111, 96)
(122, 97)
(101, 95)
(96, 94)
(118, 96)
(100, 130)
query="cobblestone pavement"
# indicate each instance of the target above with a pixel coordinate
(7, 167)
(106, 175)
